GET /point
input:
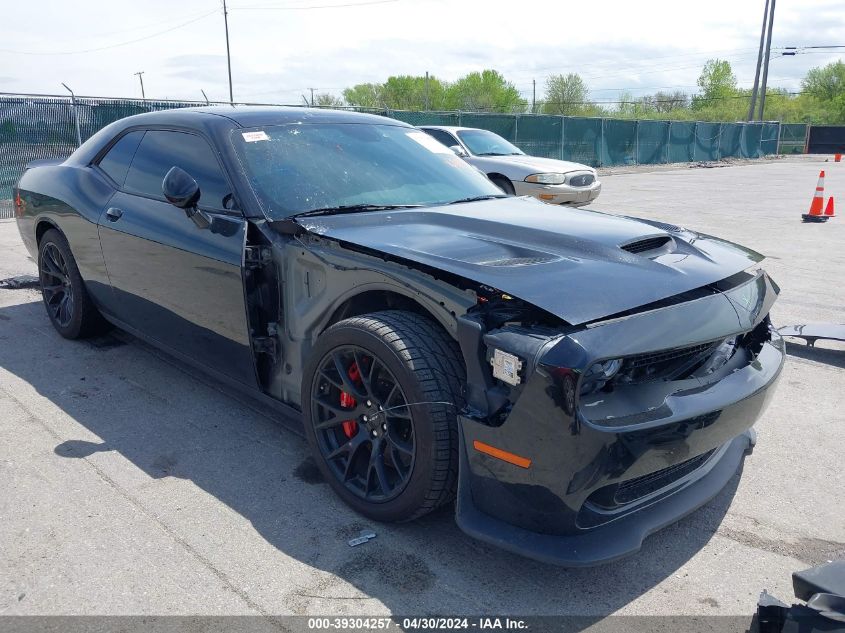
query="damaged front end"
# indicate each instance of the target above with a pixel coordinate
(571, 433)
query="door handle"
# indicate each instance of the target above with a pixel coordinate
(113, 214)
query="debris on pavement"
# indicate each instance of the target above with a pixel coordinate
(366, 535)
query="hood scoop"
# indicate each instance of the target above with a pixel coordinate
(647, 245)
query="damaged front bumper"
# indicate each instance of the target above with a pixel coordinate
(591, 477)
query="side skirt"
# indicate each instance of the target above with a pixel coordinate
(290, 417)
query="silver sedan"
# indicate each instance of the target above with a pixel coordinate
(550, 180)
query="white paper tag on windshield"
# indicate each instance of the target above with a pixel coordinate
(430, 143)
(252, 137)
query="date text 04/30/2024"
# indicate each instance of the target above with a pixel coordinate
(417, 623)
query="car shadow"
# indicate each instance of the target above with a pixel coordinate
(826, 355)
(172, 424)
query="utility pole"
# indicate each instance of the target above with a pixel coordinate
(426, 92)
(228, 54)
(75, 113)
(140, 75)
(312, 96)
(533, 96)
(759, 61)
(766, 59)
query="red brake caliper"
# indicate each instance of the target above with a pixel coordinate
(347, 401)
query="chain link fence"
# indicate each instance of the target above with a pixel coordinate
(41, 127)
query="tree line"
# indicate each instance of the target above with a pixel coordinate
(719, 98)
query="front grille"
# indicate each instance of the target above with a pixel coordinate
(649, 244)
(582, 180)
(640, 487)
(665, 364)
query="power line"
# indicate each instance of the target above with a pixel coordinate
(309, 8)
(616, 65)
(110, 46)
(694, 97)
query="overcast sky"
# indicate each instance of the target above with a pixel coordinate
(280, 48)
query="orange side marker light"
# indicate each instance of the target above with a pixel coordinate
(498, 453)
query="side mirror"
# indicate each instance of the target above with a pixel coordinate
(460, 151)
(181, 190)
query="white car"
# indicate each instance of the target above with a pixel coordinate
(516, 173)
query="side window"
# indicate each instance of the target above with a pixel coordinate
(444, 137)
(160, 150)
(116, 161)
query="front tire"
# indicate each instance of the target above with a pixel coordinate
(66, 299)
(380, 395)
(504, 184)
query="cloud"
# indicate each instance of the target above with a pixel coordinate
(279, 55)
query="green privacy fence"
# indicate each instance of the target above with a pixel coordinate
(610, 142)
(38, 127)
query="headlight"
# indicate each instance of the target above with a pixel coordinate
(546, 179)
(605, 370)
(598, 374)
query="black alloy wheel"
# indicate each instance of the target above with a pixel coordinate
(56, 285)
(365, 430)
(380, 396)
(70, 308)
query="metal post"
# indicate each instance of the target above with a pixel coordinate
(601, 144)
(759, 61)
(75, 114)
(636, 142)
(204, 95)
(140, 75)
(228, 54)
(694, 138)
(533, 96)
(312, 96)
(427, 103)
(562, 136)
(668, 141)
(719, 143)
(766, 59)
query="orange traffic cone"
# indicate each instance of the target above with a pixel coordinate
(815, 214)
(829, 212)
(837, 158)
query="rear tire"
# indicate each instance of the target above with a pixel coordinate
(66, 299)
(388, 461)
(504, 184)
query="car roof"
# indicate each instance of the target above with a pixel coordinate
(218, 121)
(252, 116)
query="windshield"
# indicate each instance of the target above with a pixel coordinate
(308, 167)
(485, 143)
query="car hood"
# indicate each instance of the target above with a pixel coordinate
(565, 261)
(518, 167)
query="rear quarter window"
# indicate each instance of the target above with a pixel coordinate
(117, 160)
(444, 137)
(162, 149)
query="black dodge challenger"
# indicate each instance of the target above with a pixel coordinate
(575, 380)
